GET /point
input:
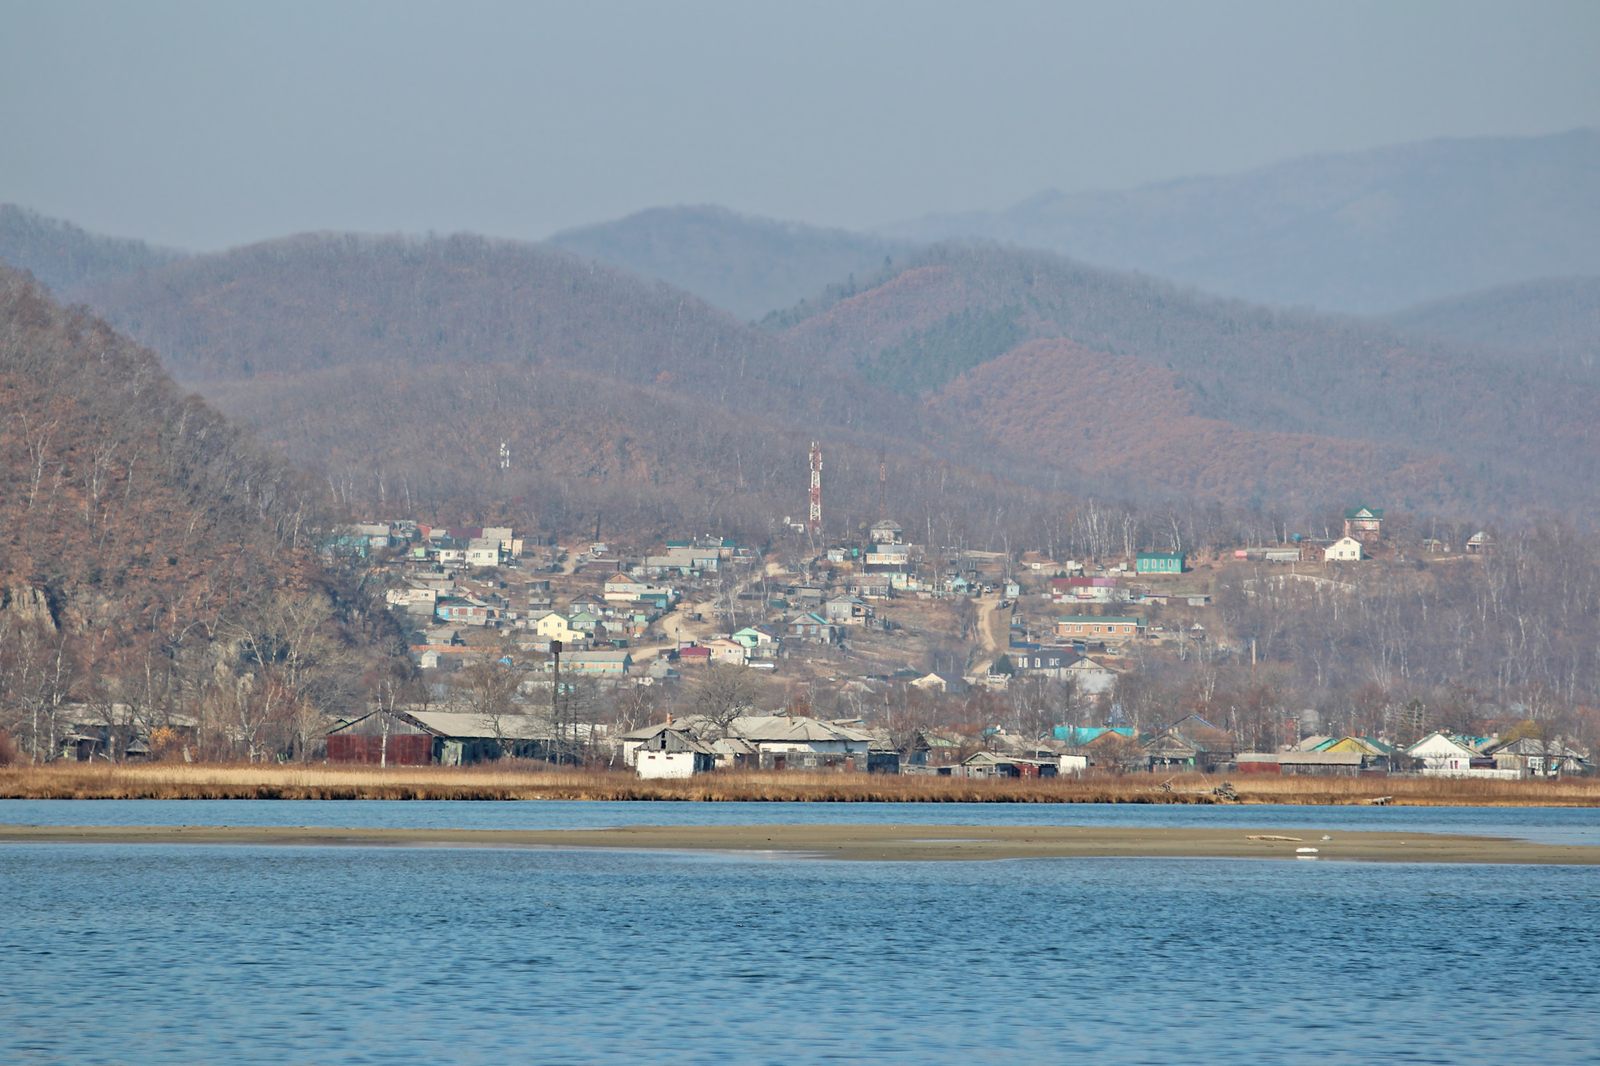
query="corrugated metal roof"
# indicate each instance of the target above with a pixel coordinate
(777, 728)
(482, 726)
(1321, 758)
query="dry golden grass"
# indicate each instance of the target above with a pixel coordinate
(490, 782)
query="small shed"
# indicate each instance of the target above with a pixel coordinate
(673, 753)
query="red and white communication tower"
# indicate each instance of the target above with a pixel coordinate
(814, 523)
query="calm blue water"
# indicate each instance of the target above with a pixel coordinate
(242, 955)
(1549, 825)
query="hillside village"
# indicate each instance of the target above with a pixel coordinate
(870, 654)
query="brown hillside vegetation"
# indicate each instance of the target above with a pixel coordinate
(154, 556)
(396, 369)
(1478, 433)
(1125, 419)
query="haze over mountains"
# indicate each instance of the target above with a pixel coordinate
(455, 375)
(746, 266)
(1359, 232)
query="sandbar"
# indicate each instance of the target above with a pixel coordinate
(882, 843)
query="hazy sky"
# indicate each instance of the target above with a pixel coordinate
(209, 124)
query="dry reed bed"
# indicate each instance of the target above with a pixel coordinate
(262, 781)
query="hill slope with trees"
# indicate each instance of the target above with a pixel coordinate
(68, 259)
(157, 563)
(1474, 429)
(397, 370)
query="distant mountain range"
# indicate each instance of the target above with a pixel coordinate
(746, 266)
(1557, 319)
(619, 373)
(1359, 232)
(399, 369)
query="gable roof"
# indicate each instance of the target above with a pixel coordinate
(1441, 744)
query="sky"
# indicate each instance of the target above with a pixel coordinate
(206, 125)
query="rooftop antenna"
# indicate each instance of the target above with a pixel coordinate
(814, 523)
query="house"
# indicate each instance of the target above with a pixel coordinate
(413, 595)
(1323, 763)
(670, 752)
(482, 551)
(1091, 589)
(995, 764)
(1258, 762)
(1158, 563)
(1078, 736)
(1444, 756)
(1479, 543)
(1042, 662)
(554, 626)
(733, 753)
(1345, 549)
(846, 611)
(1089, 677)
(884, 556)
(1533, 757)
(1365, 745)
(469, 612)
(624, 589)
(694, 655)
(614, 663)
(813, 627)
(1109, 628)
(445, 738)
(759, 642)
(941, 682)
(1364, 524)
(793, 743)
(870, 586)
(588, 605)
(1338, 756)
(684, 559)
(884, 531)
(727, 650)
(1191, 743)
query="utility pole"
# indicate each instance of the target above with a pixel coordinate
(555, 693)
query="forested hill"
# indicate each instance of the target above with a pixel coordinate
(1425, 424)
(66, 258)
(745, 265)
(444, 377)
(1362, 232)
(1555, 319)
(153, 554)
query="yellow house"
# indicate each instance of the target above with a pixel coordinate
(556, 627)
(1355, 745)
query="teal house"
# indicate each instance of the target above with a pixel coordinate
(1158, 563)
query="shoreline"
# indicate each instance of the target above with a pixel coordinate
(501, 782)
(896, 843)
